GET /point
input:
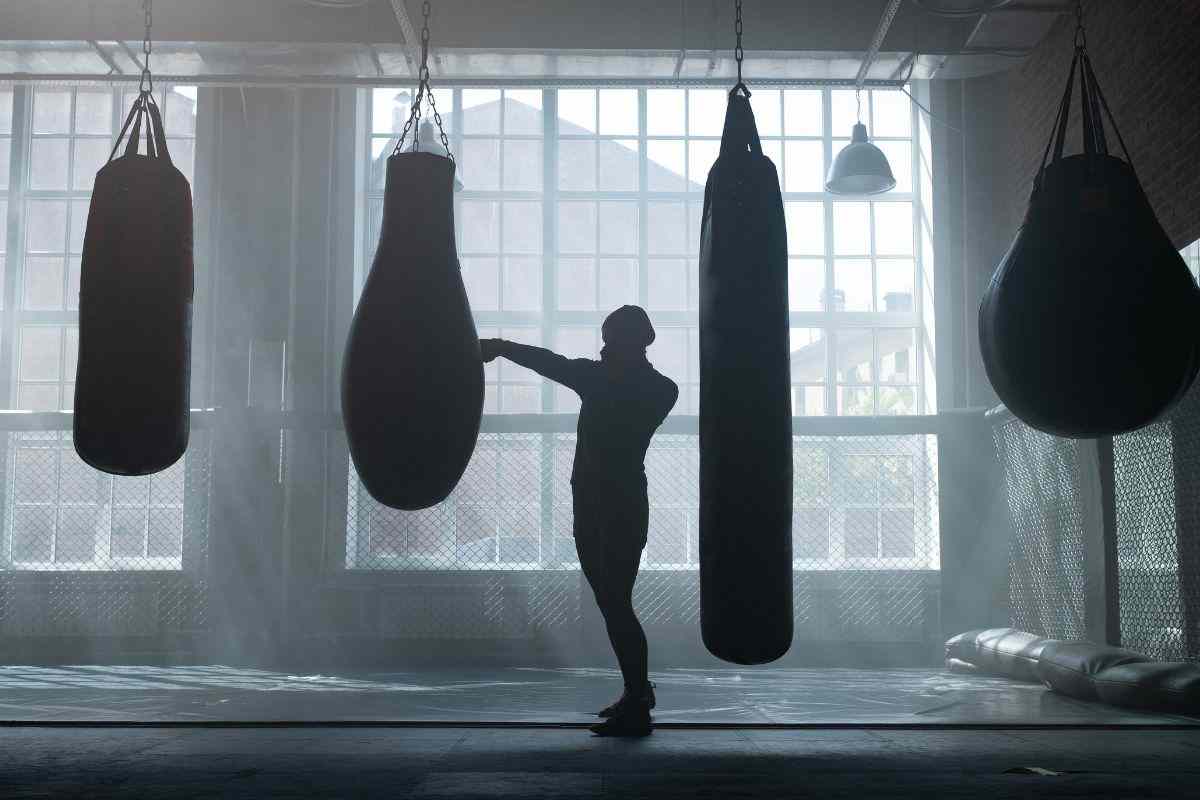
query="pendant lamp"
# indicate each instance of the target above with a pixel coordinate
(861, 167)
(960, 8)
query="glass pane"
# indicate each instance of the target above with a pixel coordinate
(895, 278)
(90, 155)
(701, 155)
(523, 112)
(128, 533)
(38, 397)
(165, 536)
(576, 111)
(41, 347)
(619, 227)
(619, 112)
(576, 227)
(52, 111)
(576, 284)
(618, 165)
(852, 284)
(577, 165)
(893, 229)
(577, 341)
(706, 111)
(482, 279)
(181, 111)
(73, 268)
(897, 355)
(897, 400)
(861, 539)
(806, 284)
(522, 227)
(808, 350)
(480, 226)
(767, 112)
(666, 280)
(844, 112)
(166, 487)
(854, 356)
(522, 284)
(389, 110)
(669, 353)
(667, 228)
(33, 534)
(805, 228)
(46, 227)
(93, 112)
(665, 112)
(810, 533)
(5, 169)
(802, 112)
(48, 162)
(70, 354)
(78, 482)
(522, 165)
(35, 479)
(481, 111)
(481, 164)
(854, 401)
(183, 155)
(897, 533)
(618, 282)
(805, 166)
(666, 165)
(891, 114)
(6, 106)
(852, 228)
(78, 221)
(43, 283)
(808, 401)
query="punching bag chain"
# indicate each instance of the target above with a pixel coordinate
(423, 91)
(738, 53)
(1080, 33)
(147, 82)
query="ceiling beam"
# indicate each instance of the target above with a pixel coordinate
(885, 22)
(412, 42)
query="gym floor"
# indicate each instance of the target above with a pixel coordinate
(212, 731)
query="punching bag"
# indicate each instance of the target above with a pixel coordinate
(745, 403)
(135, 307)
(1086, 328)
(412, 376)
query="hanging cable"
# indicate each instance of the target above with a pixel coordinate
(423, 91)
(146, 84)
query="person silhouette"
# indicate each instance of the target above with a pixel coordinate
(623, 402)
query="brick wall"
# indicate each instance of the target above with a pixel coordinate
(1146, 54)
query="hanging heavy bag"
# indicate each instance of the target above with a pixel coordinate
(412, 377)
(745, 403)
(135, 307)
(1085, 327)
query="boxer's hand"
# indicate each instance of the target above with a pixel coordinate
(490, 348)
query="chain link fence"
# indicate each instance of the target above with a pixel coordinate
(1157, 525)
(1046, 568)
(865, 539)
(87, 553)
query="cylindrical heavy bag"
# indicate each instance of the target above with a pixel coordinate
(745, 403)
(133, 376)
(1085, 329)
(412, 376)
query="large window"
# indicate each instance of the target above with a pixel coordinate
(576, 201)
(58, 512)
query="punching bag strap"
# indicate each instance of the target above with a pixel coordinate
(1099, 95)
(1064, 113)
(160, 136)
(133, 113)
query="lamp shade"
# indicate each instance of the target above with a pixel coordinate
(428, 142)
(861, 167)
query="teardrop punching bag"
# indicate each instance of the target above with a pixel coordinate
(135, 307)
(412, 376)
(1086, 326)
(745, 403)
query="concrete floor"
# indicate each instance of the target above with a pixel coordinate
(81, 762)
(730, 696)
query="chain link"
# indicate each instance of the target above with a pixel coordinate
(147, 82)
(423, 91)
(738, 53)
